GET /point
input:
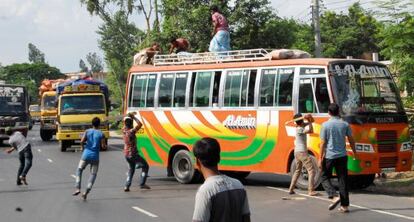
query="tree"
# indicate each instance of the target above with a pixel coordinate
(119, 48)
(35, 55)
(30, 75)
(95, 62)
(398, 46)
(82, 66)
(349, 34)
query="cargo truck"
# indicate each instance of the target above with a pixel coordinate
(79, 101)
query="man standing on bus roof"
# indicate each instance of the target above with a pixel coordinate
(334, 155)
(95, 140)
(302, 157)
(19, 142)
(220, 33)
(220, 198)
(131, 152)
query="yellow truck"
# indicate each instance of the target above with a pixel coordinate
(79, 101)
(48, 115)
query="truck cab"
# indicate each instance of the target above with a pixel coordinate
(48, 114)
(77, 106)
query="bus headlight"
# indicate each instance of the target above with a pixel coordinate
(364, 148)
(406, 146)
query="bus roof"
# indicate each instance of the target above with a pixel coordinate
(233, 65)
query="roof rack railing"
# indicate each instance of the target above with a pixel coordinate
(212, 57)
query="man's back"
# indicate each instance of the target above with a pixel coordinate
(93, 144)
(221, 199)
(334, 132)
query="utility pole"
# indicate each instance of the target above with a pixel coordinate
(317, 28)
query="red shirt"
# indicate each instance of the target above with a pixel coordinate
(220, 21)
(130, 142)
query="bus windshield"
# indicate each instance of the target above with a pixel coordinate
(365, 89)
(12, 100)
(49, 102)
(82, 105)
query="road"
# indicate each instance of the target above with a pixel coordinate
(48, 195)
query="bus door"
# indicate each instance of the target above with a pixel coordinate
(313, 91)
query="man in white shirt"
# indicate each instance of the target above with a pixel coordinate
(18, 142)
(220, 198)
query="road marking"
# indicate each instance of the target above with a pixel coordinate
(50, 160)
(73, 175)
(39, 150)
(144, 211)
(352, 205)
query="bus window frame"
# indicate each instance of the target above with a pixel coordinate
(223, 80)
(296, 85)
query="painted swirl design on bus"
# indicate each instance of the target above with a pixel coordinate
(169, 128)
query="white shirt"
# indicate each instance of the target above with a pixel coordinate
(18, 141)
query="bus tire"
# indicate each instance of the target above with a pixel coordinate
(360, 181)
(303, 181)
(183, 167)
(46, 135)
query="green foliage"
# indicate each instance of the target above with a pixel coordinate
(82, 66)
(119, 38)
(398, 45)
(30, 75)
(95, 62)
(35, 55)
(349, 34)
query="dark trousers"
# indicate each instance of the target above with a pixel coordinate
(136, 161)
(25, 158)
(340, 165)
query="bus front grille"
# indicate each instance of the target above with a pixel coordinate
(387, 141)
(388, 162)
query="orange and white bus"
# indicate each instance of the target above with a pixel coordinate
(245, 100)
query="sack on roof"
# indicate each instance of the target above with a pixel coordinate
(288, 54)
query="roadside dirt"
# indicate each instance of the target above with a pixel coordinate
(401, 184)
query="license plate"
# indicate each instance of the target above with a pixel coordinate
(387, 170)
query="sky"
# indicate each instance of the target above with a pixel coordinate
(65, 32)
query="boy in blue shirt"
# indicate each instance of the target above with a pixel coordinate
(94, 139)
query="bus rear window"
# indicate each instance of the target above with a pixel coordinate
(143, 90)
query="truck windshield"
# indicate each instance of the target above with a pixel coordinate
(49, 102)
(364, 89)
(12, 100)
(82, 105)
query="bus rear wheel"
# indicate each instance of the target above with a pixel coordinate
(303, 179)
(183, 167)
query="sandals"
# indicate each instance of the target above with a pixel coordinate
(291, 192)
(23, 180)
(76, 193)
(343, 210)
(334, 204)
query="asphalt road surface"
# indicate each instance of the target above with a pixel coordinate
(51, 183)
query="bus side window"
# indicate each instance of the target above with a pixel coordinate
(311, 89)
(267, 87)
(138, 90)
(249, 81)
(165, 91)
(179, 89)
(233, 88)
(216, 88)
(285, 87)
(201, 85)
(152, 80)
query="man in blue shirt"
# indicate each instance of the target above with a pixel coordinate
(94, 139)
(334, 155)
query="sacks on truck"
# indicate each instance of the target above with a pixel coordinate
(49, 85)
(288, 54)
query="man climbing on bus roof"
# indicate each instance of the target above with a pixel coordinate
(179, 45)
(221, 34)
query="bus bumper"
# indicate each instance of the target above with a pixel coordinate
(75, 135)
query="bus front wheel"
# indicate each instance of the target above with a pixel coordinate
(303, 179)
(183, 167)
